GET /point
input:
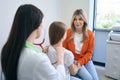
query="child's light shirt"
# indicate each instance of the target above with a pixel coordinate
(68, 59)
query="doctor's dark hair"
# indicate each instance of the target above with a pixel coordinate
(26, 20)
(56, 32)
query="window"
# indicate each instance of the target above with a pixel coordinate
(107, 14)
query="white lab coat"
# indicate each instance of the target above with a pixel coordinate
(37, 66)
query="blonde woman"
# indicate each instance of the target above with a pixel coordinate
(80, 40)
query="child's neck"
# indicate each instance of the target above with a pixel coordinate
(59, 44)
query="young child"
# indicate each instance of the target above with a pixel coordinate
(57, 34)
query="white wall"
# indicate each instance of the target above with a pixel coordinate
(61, 10)
(8, 8)
(69, 6)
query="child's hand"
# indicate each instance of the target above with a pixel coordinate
(60, 54)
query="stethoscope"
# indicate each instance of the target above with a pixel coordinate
(40, 44)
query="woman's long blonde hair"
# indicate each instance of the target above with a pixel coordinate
(79, 12)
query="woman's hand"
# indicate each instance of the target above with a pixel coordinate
(77, 64)
(74, 69)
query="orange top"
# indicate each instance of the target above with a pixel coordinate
(87, 48)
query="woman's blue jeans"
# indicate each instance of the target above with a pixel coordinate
(88, 72)
(74, 78)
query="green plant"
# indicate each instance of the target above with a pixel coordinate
(106, 20)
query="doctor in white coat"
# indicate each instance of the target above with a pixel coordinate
(20, 59)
